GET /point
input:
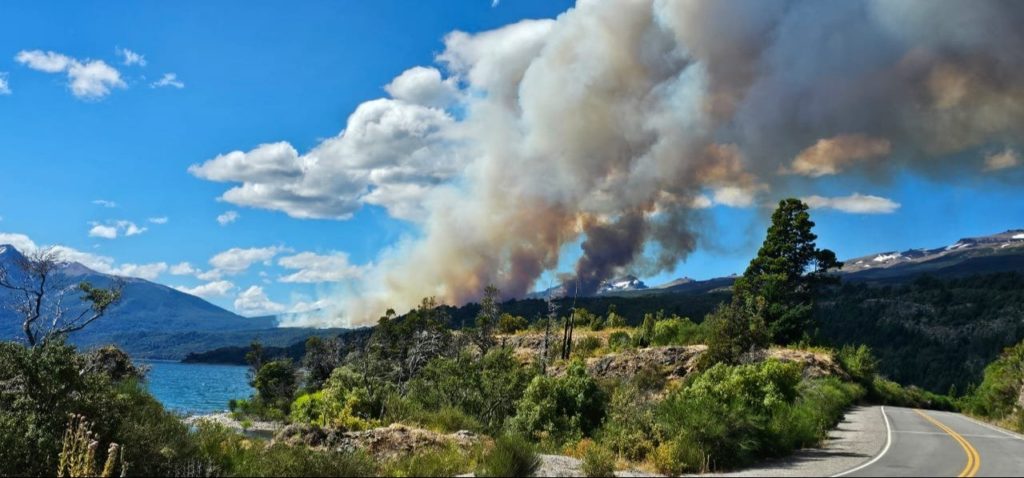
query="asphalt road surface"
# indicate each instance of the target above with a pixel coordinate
(930, 443)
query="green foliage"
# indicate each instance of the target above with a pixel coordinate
(598, 461)
(585, 346)
(677, 331)
(275, 384)
(999, 394)
(619, 340)
(630, 429)
(510, 324)
(344, 403)
(887, 392)
(561, 408)
(614, 320)
(448, 461)
(44, 385)
(787, 272)
(486, 389)
(931, 332)
(223, 452)
(512, 455)
(729, 416)
(859, 362)
(321, 358)
(735, 329)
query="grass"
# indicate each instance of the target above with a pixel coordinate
(512, 455)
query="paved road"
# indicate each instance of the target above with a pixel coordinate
(930, 443)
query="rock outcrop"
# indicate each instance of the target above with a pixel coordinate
(383, 443)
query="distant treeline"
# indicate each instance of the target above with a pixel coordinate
(929, 332)
(693, 306)
(934, 333)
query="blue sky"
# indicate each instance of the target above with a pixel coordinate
(116, 160)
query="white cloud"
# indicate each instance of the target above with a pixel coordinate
(112, 230)
(183, 269)
(237, 260)
(159, 220)
(87, 79)
(169, 79)
(855, 204)
(227, 218)
(104, 203)
(48, 62)
(1008, 158)
(423, 86)
(315, 268)
(211, 275)
(143, 271)
(5, 88)
(390, 153)
(98, 263)
(130, 228)
(131, 57)
(20, 241)
(106, 232)
(213, 289)
(735, 196)
(253, 301)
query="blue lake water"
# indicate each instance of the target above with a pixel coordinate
(196, 388)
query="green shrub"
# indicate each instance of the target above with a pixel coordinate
(448, 461)
(512, 455)
(561, 408)
(997, 396)
(598, 461)
(630, 429)
(43, 385)
(723, 417)
(224, 452)
(510, 324)
(619, 340)
(677, 331)
(734, 329)
(887, 392)
(275, 384)
(484, 389)
(859, 362)
(585, 346)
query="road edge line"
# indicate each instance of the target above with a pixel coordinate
(995, 428)
(888, 442)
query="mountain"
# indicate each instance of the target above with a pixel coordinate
(152, 320)
(1003, 252)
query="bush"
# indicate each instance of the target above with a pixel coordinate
(598, 461)
(510, 324)
(224, 452)
(512, 455)
(677, 331)
(859, 362)
(619, 340)
(448, 461)
(43, 385)
(887, 392)
(998, 395)
(585, 346)
(735, 329)
(729, 416)
(561, 408)
(630, 429)
(275, 384)
(485, 390)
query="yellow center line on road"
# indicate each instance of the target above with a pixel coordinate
(973, 459)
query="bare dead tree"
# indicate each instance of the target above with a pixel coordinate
(41, 291)
(570, 324)
(552, 315)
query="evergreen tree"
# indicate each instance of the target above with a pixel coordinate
(787, 272)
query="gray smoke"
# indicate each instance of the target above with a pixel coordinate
(619, 120)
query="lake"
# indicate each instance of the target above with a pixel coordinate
(196, 388)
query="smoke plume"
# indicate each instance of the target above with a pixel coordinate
(616, 122)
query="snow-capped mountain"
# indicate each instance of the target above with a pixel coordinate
(621, 284)
(997, 252)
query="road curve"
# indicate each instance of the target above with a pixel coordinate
(930, 443)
